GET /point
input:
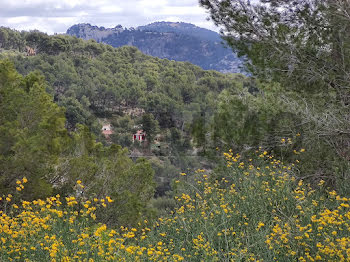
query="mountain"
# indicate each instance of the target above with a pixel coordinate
(182, 28)
(173, 41)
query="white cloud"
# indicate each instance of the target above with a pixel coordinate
(57, 15)
(109, 9)
(183, 11)
(173, 19)
(18, 20)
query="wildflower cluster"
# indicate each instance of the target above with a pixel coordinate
(48, 230)
(247, 212)
(256, 213)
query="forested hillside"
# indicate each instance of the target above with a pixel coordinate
(98, 85)
(108, 154)
(173, 41)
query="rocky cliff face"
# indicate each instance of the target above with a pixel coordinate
(87, 31)
(174, 41)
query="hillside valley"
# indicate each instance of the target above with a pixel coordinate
(128, 91)
(151, 143)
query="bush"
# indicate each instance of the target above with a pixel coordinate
(257, 210)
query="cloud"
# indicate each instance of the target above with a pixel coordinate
(55, 16)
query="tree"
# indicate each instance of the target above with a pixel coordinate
(278, 37)
(300, 44)
(150, 126)
(305, 47)
(11, 39)
(32, 131)
(76, 113)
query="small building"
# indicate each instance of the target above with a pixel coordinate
(140, 136)
(107, 130)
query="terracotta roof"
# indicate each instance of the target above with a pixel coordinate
(107, 132)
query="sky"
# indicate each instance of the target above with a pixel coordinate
(56, 16)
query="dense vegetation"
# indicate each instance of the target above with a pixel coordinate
(258, 211)
(35, 144)
(96, 84)
(299, 49)
(280, 192)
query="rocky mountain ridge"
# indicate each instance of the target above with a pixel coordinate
(173, 41)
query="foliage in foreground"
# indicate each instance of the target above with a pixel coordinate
(257, 210)
(300, 46)
(35, 143)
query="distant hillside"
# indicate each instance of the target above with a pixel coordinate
(182, 28)
(173, 41)
(98, 79)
